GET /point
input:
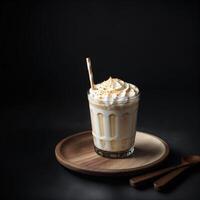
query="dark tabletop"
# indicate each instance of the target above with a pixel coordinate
(30, 133)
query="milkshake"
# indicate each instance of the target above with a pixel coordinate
(113, 109)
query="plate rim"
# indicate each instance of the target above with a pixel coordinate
(70, 165)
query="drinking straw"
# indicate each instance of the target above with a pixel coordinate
(89, 67)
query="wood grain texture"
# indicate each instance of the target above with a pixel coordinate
(77, 153)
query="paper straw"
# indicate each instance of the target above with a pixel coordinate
(89, 67)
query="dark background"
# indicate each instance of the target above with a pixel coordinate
(44, 82)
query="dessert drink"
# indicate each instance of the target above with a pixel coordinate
(113, 109)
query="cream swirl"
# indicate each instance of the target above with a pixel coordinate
(113, 91)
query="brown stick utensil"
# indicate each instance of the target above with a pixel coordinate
(185, 161)
(162, 182)
(166, 179)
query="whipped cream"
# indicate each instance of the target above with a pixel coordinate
(113, 91)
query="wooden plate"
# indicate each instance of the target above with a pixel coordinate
(77, 153)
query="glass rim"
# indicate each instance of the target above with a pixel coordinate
(119, 100)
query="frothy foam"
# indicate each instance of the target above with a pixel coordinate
(113, 91)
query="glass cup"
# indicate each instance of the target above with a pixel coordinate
(114, 127)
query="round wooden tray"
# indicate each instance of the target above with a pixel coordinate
(77, 153)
